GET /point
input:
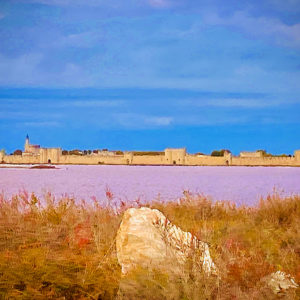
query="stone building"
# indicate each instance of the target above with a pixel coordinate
(30, 149)
(44, 155)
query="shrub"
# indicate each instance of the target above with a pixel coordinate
(141, 153)
(219, 152)
(17, 152)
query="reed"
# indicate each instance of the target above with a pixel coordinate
(62, 249)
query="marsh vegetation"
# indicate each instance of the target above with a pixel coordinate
(59, 249)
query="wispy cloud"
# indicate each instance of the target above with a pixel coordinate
(85, 39)
(114, 4)
(96, 103)
(139, 121)
(158, 121)
(20, 70)
(67, 2)
(231, 103)
(264, 27)
(287, 5)
(40, 124)
(30, 114)
(159, 3)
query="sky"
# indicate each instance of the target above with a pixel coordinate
(150, 74)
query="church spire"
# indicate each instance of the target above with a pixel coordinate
(26, 147)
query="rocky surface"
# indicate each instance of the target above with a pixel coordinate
(146, 238)
(279, 282)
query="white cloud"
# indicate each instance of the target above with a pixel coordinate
(211, 120)
(139, 121)
(158, 121)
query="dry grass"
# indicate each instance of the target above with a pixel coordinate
(64, 250)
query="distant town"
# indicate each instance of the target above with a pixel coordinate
(35, 154)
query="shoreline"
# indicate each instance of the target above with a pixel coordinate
(46, 166)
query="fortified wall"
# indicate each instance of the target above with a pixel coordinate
(34, 154)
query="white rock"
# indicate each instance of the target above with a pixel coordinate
(280, 282)
(147, 238)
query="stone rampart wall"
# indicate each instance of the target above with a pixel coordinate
(205, 160)
(265, 161)
(128, 159)
(92, 160)
(148, 160)
(20, 159)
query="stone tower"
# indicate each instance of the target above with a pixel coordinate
(297, 155)
(228, 158)
(175, 156)
(26, 147)
(2, 154)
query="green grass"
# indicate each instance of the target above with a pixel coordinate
(63, 250)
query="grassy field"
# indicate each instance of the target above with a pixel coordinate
(63, 250)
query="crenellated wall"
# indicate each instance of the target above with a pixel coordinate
(171, 157)
(265, 161)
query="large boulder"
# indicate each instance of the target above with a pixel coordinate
(147, 239)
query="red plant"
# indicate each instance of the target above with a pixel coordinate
(123, 206)
(108, 193)
(234, 244)
(138, 202)
(94, 199)
(83, 234)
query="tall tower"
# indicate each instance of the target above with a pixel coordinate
(297, 155)
(26, 148)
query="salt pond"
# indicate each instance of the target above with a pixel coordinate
(243, 185)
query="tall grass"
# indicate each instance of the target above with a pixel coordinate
(60, 249)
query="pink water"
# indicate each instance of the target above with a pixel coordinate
(243, 185)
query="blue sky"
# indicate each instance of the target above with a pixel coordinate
(150, 74)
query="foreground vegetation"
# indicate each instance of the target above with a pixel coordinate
(64, 250)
